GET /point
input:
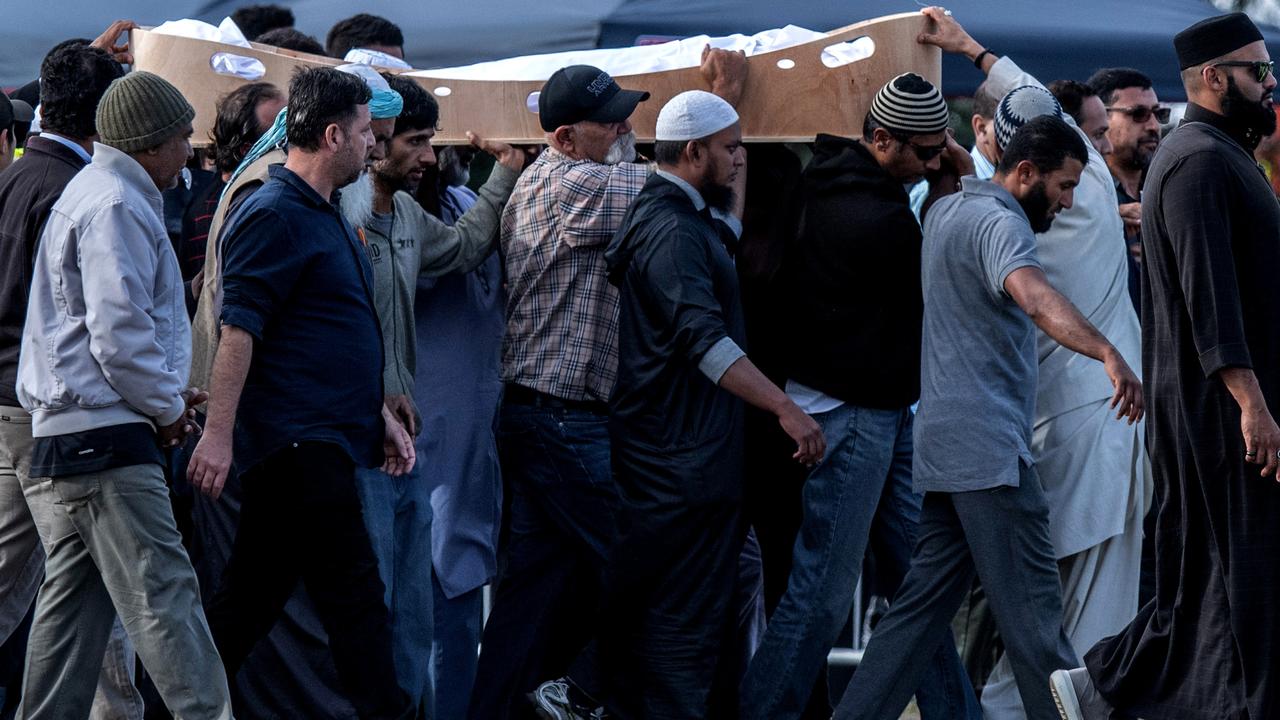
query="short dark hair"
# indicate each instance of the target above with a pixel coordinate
(236, 129)
(73, 79)
(870, 125)
(667, 152)
(1071, 95)
(254, 20)
(362, 30)
(421, 111)
(291, 39)
(985, 100)
(319, 97)
(1046, 142)
(1107, 81)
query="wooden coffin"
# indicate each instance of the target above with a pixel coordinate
(791, 95)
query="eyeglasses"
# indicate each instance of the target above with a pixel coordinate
(926, 152)
(1142, 113)
(1261, 68)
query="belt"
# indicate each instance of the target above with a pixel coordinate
(521, 395)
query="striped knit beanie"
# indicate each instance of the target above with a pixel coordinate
(141, 110)
(1019, 107)
(910, 105)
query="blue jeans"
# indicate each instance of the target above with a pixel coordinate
(453, 660)
(397, 514)
(858, 496)
(563, 522)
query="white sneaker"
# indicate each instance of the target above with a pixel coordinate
(552, 702)
(1076, 697)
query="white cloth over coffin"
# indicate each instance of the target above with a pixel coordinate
(672, 55)
(227, 32)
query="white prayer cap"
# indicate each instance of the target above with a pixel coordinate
(365, 56)
(693, 115)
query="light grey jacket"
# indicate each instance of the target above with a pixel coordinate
(107, 340)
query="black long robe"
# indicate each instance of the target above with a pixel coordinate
(1206, 645)
(678, 296)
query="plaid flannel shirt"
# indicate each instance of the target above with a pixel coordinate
(562, 313)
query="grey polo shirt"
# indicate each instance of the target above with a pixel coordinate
(978, 357)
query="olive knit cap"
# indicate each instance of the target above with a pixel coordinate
(141, 110)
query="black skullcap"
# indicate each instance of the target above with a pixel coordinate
(1214, 37)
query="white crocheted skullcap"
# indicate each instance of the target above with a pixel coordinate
(1020, 106)
(693, 115)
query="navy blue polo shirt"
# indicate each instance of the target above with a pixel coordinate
(297, 279)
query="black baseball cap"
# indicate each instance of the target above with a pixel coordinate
(582, 92)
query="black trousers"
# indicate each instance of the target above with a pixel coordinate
(300, 521)
(666, 624)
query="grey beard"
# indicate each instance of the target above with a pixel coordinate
(622, 150)
(356, 201)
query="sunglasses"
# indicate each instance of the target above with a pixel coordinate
(926, 152)
(1261, 68)
(1142, 113)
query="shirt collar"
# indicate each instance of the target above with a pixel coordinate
(1245, 136)
(975, 186)
(74, 146)
(694, 195)
(291, 178)
(982, 167)
(128, 169)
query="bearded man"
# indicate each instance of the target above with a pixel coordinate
(403, 243)
(1205, 645)
(559, 361)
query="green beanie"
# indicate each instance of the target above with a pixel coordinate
(141, 110)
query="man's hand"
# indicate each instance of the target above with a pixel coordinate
(1131, 214)
(1261, 439)
(1127, 400)
(726, 72)
(954, 163)
(197, 283)
(210, 463)
(401, 407)
(811, 445)
(739, 186)
(512, 157)
(194, 397)
(107, 41)
(397, 446)
(176, 433)
(950, 37)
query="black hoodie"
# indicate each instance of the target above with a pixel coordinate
(852, 281)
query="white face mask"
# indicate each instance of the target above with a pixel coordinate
(622, 150)
(356, 201)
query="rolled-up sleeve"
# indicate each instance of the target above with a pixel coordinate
(262, 264)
